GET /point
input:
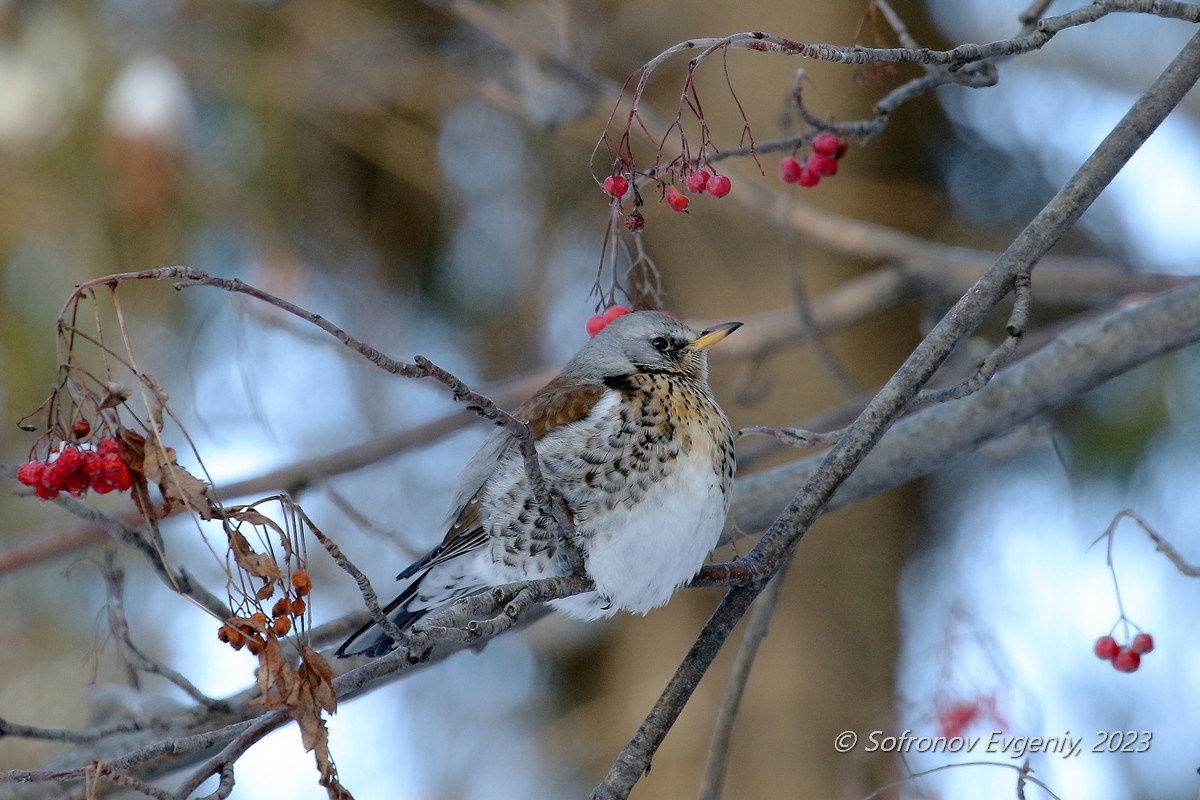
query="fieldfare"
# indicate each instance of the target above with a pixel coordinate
(631, 439)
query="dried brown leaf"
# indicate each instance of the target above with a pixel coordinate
(180, 489)
(260, 565)
(131, 447)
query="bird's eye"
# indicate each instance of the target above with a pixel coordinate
(661, 343)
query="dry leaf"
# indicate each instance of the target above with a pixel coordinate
(260, 565)
(131, 447)
(180, 489)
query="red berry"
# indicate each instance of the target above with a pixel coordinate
(675, 200)
(116, 472)
(789, 170)
(697, 180)
(30, 473)
(1126, 661)
(616, 185)
(1142, 643)
(100, 486)
(635, 222)
(719, 186)
(825, 167)
(93, 463)
(106, 446)
(808, 177)
(45, 492)
(825, 144)
(612, 312)
(595, 324)
(841, 151)
(1106, 647)
(69, 459)
(81, 428)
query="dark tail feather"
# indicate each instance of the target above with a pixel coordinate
(380, 644)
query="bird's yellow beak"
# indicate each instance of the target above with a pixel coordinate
(715, 334)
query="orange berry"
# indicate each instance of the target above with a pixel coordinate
(301, 582)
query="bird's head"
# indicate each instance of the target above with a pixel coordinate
(648, 341)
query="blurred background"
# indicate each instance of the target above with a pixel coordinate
(410, 172)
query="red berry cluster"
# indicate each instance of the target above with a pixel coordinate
(75, 469)
(1124, 658)
(698, 181)
(599, 322)
(827, 150)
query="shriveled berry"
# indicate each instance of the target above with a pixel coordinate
(281, 608)
(30, 473)
(1142, 643)
(826, 144)
(1106, 647)
(789, 169)
(825, 167)
(301, 583)
(612, 312)
(282, 625)
(635, 222)
(595, 324)
(697, 180)
(675, 200)
(841, 151)
(616, 185)
(1126, 661)
(719, 185)
(808, 178)
(298, 607)
(81, 428)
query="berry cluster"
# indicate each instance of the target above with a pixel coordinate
(75, 469)
(827, 150)
(698, 181)
(1124, 658)
(599, 322)
(250, 631)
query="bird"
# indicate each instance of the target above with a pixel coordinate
(629, 436)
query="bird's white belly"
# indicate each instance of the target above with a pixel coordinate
(637, 556)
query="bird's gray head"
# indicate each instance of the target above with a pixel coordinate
(647, 341)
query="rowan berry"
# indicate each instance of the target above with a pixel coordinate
(616, 185)
(635, 222)
(30, 473)
(81, 428)
(1106, 647)
(595, 324)
(822, 165)
(697, 180)
(719, 185)
(612, 312)
(789, 169)
(1126, 660)
(826, 144)
(1142, 643)
(808, 178)
(676, 201)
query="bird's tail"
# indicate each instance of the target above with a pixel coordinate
(370, 640)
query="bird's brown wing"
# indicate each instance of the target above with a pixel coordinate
(558, 403)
